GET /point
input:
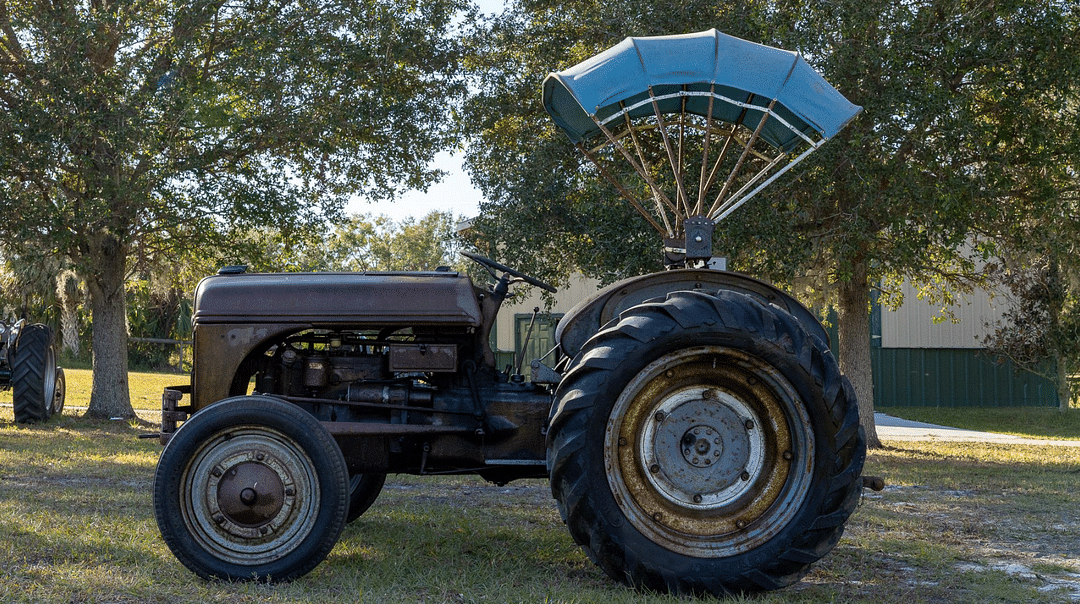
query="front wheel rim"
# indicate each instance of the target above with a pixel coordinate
(708, 451)
(249, 495)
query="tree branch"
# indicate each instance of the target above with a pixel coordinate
(9, 42)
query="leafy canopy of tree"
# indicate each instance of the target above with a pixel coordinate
(950, 89)
(1036, 232)
(135, 129)
(359, 243)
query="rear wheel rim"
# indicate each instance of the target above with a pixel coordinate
(708, 451)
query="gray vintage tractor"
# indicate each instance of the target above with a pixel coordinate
(698, 434)
(28, 368)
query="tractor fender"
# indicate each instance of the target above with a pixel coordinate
(588, 316)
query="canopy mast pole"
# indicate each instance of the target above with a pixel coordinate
(727, 142)
(638, 148)
(699, 207)
(761, 173)
(682, 145)
(641, 171)
(672, 160)
(768, 182)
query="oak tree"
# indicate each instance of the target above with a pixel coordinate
(169, 123)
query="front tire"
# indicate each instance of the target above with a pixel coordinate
(705, 444)
(251, 487)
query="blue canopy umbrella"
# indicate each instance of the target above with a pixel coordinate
(739, 93)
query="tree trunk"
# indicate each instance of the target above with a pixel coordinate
(1056, 287)
(109, 396)
(1063, 390)
(67, 292)
(854, 332)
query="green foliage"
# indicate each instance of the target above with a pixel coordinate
(358, 243)
(162, 313)
(28, 291)
(1040, 330)
(363, 243)
(137, 130)
(172, 120)
(953, 92)
(1034, 226)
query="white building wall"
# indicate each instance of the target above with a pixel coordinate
(913, 326)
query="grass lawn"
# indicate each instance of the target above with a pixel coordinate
(1029, 422)
(958, 522)
(145, 388)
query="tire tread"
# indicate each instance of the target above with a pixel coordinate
(577, 398)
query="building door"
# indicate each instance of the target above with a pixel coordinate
(539, 343)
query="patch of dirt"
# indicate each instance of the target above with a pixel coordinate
(1040, 546)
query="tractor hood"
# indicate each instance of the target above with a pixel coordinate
(415, 298)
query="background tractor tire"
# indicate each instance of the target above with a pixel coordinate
(59, 393)
(251, 488)
(33, 374)
(705, 444)
(364, 489)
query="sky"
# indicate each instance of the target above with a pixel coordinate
(454, 193)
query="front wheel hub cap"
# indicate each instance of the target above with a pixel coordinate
(250, 494)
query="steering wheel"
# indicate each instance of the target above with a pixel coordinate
(491, 265)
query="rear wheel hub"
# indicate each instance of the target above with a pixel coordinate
(702, 448)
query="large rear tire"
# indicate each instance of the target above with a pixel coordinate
(251, 488)
(705, 444)
(33, 374)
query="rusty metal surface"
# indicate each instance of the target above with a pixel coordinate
(220, 348)
(423, 357)
(523, 418)
(725, 404)
(375, 429)
(170, 411)
(250, 493)
(874, 483)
